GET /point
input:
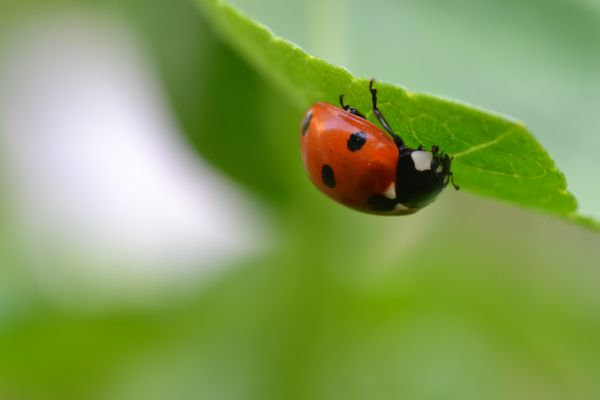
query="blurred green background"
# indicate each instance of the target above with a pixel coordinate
(159, 239)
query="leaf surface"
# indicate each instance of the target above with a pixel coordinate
(494, 155)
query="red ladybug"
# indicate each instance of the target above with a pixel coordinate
(357, 164)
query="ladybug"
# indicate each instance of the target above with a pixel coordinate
(359, 165)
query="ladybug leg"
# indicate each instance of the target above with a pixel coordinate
(351, 110)
(421, 147)
(397, 139)
(344, 106)
(435, 149)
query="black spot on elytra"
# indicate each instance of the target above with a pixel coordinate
(356, 141)
(381, 203)
(306, 122)
(327, 176)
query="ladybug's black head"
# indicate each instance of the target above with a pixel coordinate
(440, 165)
(421, 176)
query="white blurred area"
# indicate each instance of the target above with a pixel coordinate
(107, 201)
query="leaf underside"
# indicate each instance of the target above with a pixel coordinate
(494, 156)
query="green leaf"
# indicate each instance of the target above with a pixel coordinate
(494, 156)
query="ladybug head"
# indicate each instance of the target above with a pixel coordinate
(440, 166)
(421, 176)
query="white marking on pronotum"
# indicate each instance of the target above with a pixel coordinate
(401, 207)
(422, 160)
(439, 168)
(390, 192)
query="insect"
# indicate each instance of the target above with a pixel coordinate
(359, 165)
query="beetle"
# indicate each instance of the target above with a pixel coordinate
(357, 164)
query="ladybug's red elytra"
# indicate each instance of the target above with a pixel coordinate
(359, 165)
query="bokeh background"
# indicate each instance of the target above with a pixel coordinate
(159, 239)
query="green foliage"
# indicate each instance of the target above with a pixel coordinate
(494, 155)
(499, 304)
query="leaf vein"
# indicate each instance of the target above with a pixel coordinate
(484, 145)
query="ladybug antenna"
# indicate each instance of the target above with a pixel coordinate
(456, 187)
(397, 139)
